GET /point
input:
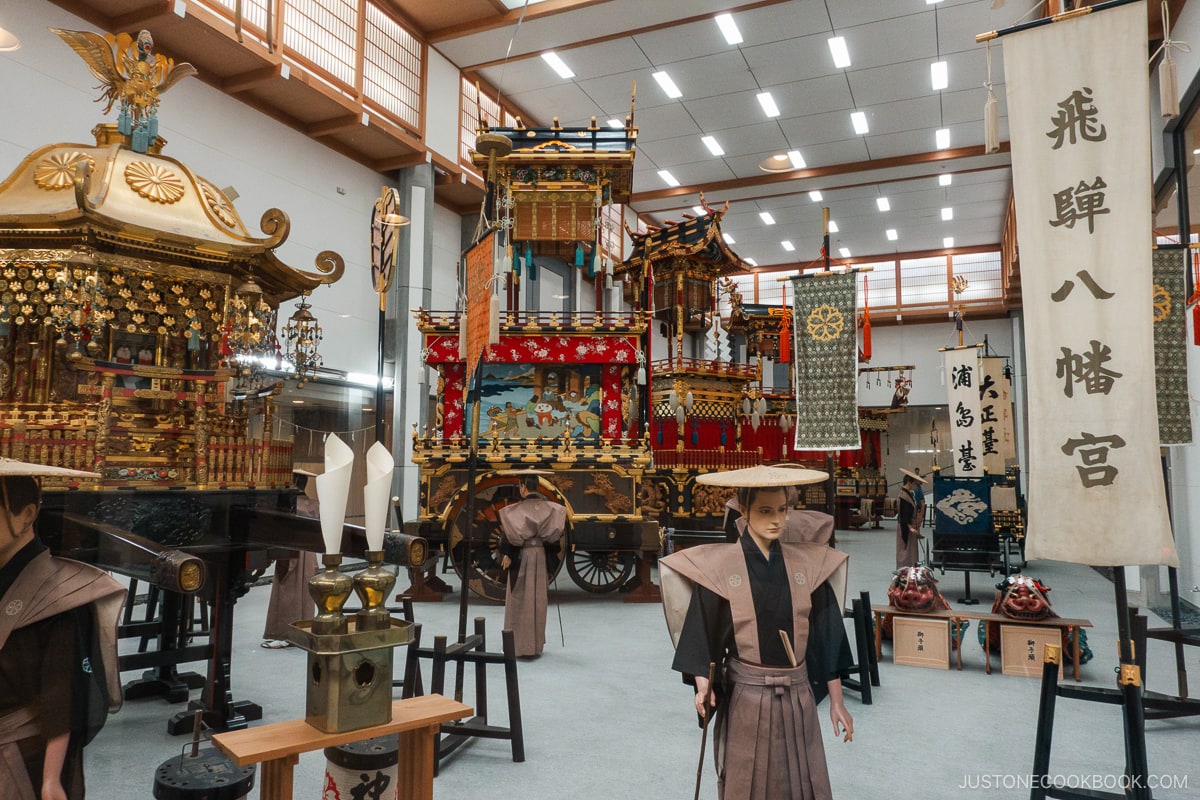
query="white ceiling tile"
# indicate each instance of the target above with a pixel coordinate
(717, 74)
(847, 13)
(901, 81)
(799, 98)
(567, 100)
(660, 122)
(877, 44)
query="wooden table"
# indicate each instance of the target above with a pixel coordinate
(278, 746)
(956, 616)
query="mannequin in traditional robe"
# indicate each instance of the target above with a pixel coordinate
(58, 655)
(726, 605)
(529, 526)
(908, 525)
(802, 525)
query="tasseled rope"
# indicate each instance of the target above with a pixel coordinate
(1168, 82)
(991, 111)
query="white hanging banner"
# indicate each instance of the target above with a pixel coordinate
(1078, 113)
(996, 416)
(962, 389)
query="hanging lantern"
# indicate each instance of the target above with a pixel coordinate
(249, 328)
(303, 336)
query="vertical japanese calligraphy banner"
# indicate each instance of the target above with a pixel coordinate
(480, 260)
(996, 416)
(826, 362)
(962, 390)
(1170, 345)
(1079, 111)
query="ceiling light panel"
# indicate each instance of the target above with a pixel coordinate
(728, 239)
(615, 123)
(698, 211)
(768, 104)
(939, 75)
(668, 178)
(558, 65)
(948, 242)
(841, 55)
(833, 228)
(668, 86)
(941, 137)
(751, 262)
(815, 196)
(766, 217)
(787, 245)
(945, 180)
(883, 204)
(859, 120)
(729, 28)
(796, 159)
(947, 214)
(713, 145)
(891, 234)
(844, 252)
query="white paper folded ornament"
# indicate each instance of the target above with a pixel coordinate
(377, 493)
(333, 490)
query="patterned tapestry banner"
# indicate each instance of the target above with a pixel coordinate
(962, 390)
(996, 416)
(1170, 345)
(826, 362)
(1078, 105)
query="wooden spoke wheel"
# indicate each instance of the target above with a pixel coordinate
(483, 574)
(600, 571)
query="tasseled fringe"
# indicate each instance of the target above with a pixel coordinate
(494, 320)
(462, 334)
(991, 112)
(1168, 87)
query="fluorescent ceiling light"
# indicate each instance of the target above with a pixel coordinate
(833, 228)
(942, 138)
(729, 28)
(713, 145)
(947, 214)
(859, 120)
(766, 217)
(698, 211)
(815, 196)
(668, 85)
(768, 104)
(668, 178)
(558, 64)
(844, 252)
(948, 241)
(788, 245)
(932, 2)
(728, 239)
(883, 204)
(615, 123)
(939, 75)
(751, 262)
(944, 180)
(796, 159)
(841, 56)
(891, 234)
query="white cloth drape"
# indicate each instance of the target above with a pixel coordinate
(1078, 106)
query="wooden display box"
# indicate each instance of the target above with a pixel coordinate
(921, 642)
(1023, 649)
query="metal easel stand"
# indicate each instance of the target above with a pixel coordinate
(1128, 695)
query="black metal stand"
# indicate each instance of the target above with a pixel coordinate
(1128, 695)
(865, 666)
(473, 651)
(967, 600)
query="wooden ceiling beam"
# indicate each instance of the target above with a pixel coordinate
(714, 188)
(251, 79)
(400, 162)
(328, 127)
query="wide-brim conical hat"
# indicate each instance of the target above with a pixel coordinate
(913, 475)
(10, 466)
(762, 475)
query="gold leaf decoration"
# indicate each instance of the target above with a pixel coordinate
(153, 182)
(218, 203)
(58, 171)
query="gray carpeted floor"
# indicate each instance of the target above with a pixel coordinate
(606, 718)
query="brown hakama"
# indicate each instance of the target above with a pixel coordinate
(528, 527)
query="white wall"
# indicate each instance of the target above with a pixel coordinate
(918, 345)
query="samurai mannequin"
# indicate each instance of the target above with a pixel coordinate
(530, 526)
(908, 524)
(58, 651)
(732, 605)
(802, 525)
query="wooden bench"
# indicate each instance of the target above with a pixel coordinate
(955, 616)
(278, 746)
